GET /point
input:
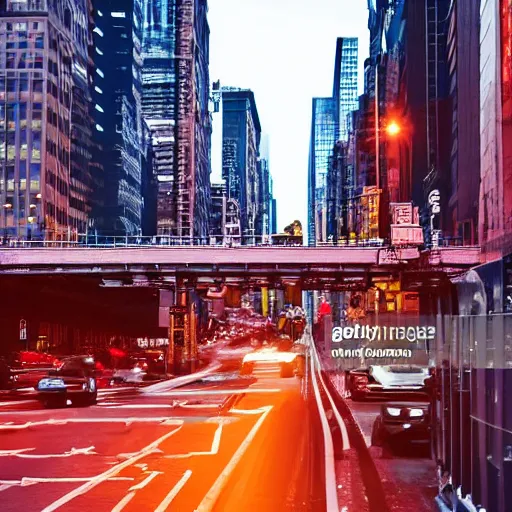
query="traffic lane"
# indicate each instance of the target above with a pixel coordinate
(194, 474)
(408, 473)
(275, 473)
(112, 396)
(95, 417)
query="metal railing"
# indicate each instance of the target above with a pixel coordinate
(99, 241)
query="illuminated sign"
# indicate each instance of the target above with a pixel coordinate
(434, 201)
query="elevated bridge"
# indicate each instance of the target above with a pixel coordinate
(315, 267)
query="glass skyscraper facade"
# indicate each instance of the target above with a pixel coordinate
(345, 82)
(324, 130)
(118, 116)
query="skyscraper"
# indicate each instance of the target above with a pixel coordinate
(175, 107)
(324, 129)
(118, 119)
(241, 136)
(345, 88)
(45, 182)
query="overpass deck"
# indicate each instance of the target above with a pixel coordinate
(74, 257)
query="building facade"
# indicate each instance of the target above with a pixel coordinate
(324, 128)
(118, 113)
(345, 88)
(463, 61)
(218, 210)
(159, 104)
(241, 136)
(176, 108)
(45, 182)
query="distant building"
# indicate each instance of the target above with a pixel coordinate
(345, 89)
(217, 212)
(464, 58)
(324, 129)
(240, 152)
(118, 115)
(45, 182)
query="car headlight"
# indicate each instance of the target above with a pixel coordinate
(416, 413)
(50, 383)
(393, 411)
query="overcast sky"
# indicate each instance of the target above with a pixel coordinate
(284, 51)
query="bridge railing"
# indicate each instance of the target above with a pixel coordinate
(100, 241)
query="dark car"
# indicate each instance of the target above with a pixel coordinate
(402, 423)
(74, 380)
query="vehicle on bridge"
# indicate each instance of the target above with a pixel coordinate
(74, 379)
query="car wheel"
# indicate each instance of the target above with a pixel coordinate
(376, 440)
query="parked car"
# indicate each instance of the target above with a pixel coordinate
(407, 423)
(383, 382)
(74, 379)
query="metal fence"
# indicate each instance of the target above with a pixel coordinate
(99, 241)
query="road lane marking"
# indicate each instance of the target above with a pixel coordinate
(339, 419)
(248, 411)
(214, 450)
(22, 455)
(18, 402)
(123, 502)
(4, 487)
(181, 381)
(213, 494)
(330, 467)
(137, 406)
(28, 480)
(220, 392)
(174, 492)
(146, 481)
(169, 420)
(150, 448)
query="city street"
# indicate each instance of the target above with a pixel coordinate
(225, 443)
(407, 474)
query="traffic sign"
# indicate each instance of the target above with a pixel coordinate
(23, 330)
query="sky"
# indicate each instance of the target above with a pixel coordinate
(284, 51)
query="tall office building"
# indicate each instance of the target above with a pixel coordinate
(324, 130)
(159, 107)
(45, 182)
(175, 107)
(241, 136)
(345, 88)
(117, 95)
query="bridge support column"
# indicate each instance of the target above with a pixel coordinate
(293, 295)
(264, 301)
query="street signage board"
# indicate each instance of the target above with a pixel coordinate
(403, 234)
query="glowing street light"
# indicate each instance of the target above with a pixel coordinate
(393, 128)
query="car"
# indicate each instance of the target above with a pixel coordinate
(287, 363)
(383, 382)
(74, 379)
(404, 423)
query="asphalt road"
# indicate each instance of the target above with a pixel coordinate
(224, 444)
